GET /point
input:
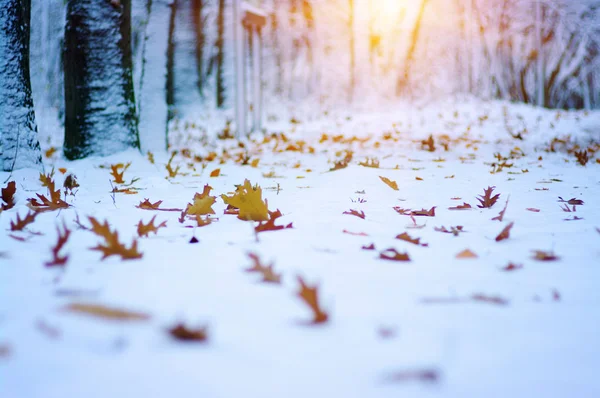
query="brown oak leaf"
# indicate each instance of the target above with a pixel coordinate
(184, 333)
(393, 255)
(390, 183)
(63, 237)
(54, 203)
(465, 254)
(310, 296)
(487, 200)
(105, 312)
(144, 230)
(270, 225)
(505, 234)
(8, 196)
(19, 225)
(266, 271)
(111, 245)
(407, 238)
(464, 206)
(500, 216)
(541, 255)
(453, 230)
(359, 214)
(248, 200)
(117, 171)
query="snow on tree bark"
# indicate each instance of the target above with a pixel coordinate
(19, 145)
(100, 117)
(152, 65)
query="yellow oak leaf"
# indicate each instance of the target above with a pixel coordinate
(202, 204)
(248, 200)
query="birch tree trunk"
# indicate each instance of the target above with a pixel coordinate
(100, 116)
(19, 146)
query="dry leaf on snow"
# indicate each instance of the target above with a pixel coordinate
(248, 200)
(359, 214)
(110, 313)
(407, 238)
(541, 255)
(63, 237)
(184, 333)
(266, 271)
(144, 230)
(505, 234)
(20, 224)
(270, 225)
(54, 203)
(8, 196)
(112, 246)
(310, 296)
(466, 254)
(393, 255)
(202, 204)
(464, 206)
(487, 200)
(390, 183)
(500, 216)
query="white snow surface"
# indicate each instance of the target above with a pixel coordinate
(543, 342)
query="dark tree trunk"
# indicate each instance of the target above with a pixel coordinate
(221, 54)
(170, 89)
(100, 116)
(198, 20)
(19, 146)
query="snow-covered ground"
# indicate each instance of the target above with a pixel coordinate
(435, 326)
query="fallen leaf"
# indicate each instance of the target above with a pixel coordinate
(54, 203)
(310, 296)
(19, 225)
(453, 230)
(415, 213)
(202, 204)
(544, 256)
(270, 225)
(183, 333)
(572, 201)
(370, 247)
(505, 234)
(112, 246)
(104, 312)
(355, 233)
(393, 255)
(512, 267)
(407, 238)
(63, 237)
(266, 271)
(500, 216)
(147, 205)
(465, 254)
(215, 173)
(144, 230)
(487, 200)
(533, 210)
(464, 206)
(390, 183)
(117, 171)
(356, 213)
(248, 200)
(8, 195)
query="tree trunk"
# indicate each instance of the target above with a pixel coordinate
(198, 21)
(19, 146)
(100, 117)
(221, 54)
(170, 86)
(403, 80)
(152, 102)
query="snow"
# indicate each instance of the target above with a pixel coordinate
(260, 344)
